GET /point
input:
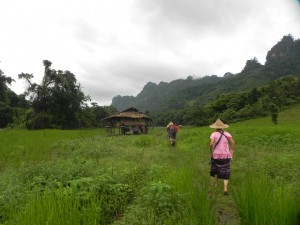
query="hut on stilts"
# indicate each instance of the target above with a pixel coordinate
(129, 121)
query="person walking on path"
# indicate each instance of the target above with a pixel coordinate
(172, 130)
(222, 147)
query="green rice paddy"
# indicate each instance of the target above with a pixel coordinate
(85, 177)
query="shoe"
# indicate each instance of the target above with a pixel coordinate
(226, 193)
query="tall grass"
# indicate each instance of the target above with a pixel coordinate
(199, 206)
(54, 208)
(18, 146)
(259, 202)
(142, 180)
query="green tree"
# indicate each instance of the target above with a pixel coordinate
(273, 108)
(57, 101)
(6, 115)
(6, 95)
(4, 81)
(196, 115)
(101, 112)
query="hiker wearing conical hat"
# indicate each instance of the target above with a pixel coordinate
(222, 147)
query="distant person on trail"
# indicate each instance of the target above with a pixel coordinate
(222, 147)
(172, 130)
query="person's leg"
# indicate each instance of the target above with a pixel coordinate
(173, 141)
(226, 175)
(225, 185)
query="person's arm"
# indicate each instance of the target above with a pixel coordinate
(211, 146)
(231, 145)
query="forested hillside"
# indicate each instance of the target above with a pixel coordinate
(266, 100)
(283, 59)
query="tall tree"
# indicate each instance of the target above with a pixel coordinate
(4, 81)
(57, 101)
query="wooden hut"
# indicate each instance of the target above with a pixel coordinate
(127, 121)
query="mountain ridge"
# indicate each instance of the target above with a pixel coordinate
(281, 60)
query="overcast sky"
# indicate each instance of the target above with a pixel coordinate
(114, 47)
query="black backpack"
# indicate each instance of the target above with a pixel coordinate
(173, 130)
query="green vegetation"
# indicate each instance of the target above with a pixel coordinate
(255, 103)
(85, 177)
(234, 97)
(19, 146)
(58, 102)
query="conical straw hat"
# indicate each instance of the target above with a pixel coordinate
(219, 125)
(170, 124)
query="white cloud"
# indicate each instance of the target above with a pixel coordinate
(115, 47)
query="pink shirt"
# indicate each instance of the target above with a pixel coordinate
(221, 151)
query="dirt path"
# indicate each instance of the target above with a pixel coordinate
(224, 207)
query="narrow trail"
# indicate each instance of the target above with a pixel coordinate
(224, 208)
(226, 218)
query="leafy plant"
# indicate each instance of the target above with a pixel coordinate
(161, 198)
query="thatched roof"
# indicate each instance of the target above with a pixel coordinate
(130, 113)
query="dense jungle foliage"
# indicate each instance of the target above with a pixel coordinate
(58, 102)
(258, 90)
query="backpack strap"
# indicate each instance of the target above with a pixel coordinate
(219, 139)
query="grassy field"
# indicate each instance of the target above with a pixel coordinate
(58, 177)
